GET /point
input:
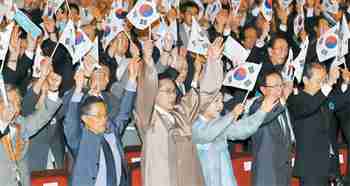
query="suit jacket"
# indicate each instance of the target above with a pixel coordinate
(85, 145)
(49, 137)
(271, 149)
(22, 75)
(30, 125)
(313, 119)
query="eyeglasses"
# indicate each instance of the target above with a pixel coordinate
(98, 116)
(275, 86)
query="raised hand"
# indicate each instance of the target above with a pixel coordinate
(269, 103)
(31, 43)
(287, 90)
(79, 81)
(134, 50)
(345, 75)
(216, 48)
(134, 68)
(89, 64)
(45, 69)
(237, 111)
(334, 74)
(14, 41)
(147, 51)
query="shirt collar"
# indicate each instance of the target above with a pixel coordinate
(201, 117)
(162, 111)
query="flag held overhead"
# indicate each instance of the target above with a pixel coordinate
(266, 9)
(198, 42)
(143, 14)
(243, 76)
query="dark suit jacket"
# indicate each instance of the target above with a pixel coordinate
(312, 116)
(23, 74)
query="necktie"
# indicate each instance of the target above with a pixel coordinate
(110, 163)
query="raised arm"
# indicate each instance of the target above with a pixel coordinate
(244, 128)
(212, 78)
(71, 122)
(205, 132)
(128, 99)
(34, 122)
(147, 83)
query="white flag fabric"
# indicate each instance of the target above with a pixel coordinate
(37, 61)
(5, 37)
(120, 4)
(330, 6)
(267, 9)
(51, 7)
(111, 27)
(288, 68)
(67, 38)
(301, 2)
(167, 4)
(299, 61)
(82, 45)
(286, 3)
(326, 46)
(143, 14)
(7, 8)
(213, 9)
(235, 6)
(344, 36)
(244, 76)
(94, 50)
(198, 42)
(235, 51)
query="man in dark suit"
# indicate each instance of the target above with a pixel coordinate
(313, 122)
(272, 143)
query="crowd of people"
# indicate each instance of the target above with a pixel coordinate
(63, 104)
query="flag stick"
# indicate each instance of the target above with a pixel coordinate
(246, 97)
(2, 66)
(54, 50)
(67, 4)
(3, 91)
(150, 32)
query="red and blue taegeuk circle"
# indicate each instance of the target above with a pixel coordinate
(331, 42)
(146, 10)
(79, 38)
(240, 74)
(120, 13)
(268, 4)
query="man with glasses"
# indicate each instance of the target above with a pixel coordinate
(312, 112)
(272, 143)
(94, 138)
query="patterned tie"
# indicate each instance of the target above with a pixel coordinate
(110, 163)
